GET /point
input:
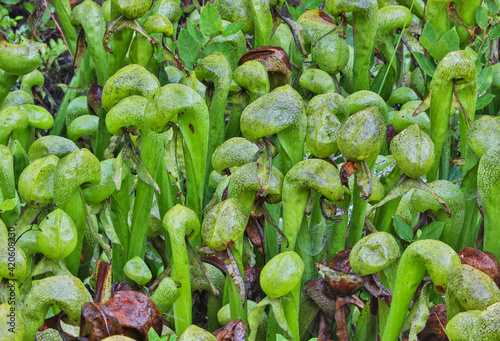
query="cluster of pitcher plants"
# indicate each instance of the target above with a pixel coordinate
(245, 169)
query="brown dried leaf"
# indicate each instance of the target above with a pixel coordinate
(341, 324)
(484, 261)
(133, 317)
(233, 331)
(377, 289)
(275, 60)
(252, 283)
(148, 305)
(100, 320)
(102, 279)
(119, 286)
(325, 328)
(234, 272)
(435, 326)
(340, 262)
(353, 299)
(55, 323)
(256, 234)
(346, 170)
(81, 49)
(94, 96)
(343, 284)
(215, 261)
(321, 293)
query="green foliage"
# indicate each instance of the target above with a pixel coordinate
(429, 231)
(305, 5)
(196, 41)
(441, 47)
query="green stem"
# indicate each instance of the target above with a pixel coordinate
(75, 208)
(150, 155)
(444, 167)
(120, 205)
(291, 305)
(338, 236)
(7, 81)
(179, 222)
(77, 81)
(263, 22)
(470, 229)
(239, 102)
(456, 65)
(359, 208)
(365, 16)
(216, 69)
(102, 137)
(63, 10)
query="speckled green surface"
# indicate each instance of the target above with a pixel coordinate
(51, 145)
(488, 187)
(130, 80)
(137, 270)
(459, 328)
(483, 134)
(486, 328)
(325, 113)
(454, 198)
(307, 175)
(361, 135)
(67, 292)
(234, 152)
(20, 59)
(414, 151)
(374, 253)
(57, 237)
(281, 274)
(470, 289)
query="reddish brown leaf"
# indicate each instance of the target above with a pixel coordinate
(94, 96)
(102, 279)
(146, 303)
(354, 300)
(320, 292)
(234, 331)
(391, 132)
(55, 323)
(276, 62)
(435, 326)
(256, 234)
(234, 271)
(134, 318)
(340, 261)
(346, 170)
(215, 261)
(81, 49)
(99, 320)
(325, 328)
(252, 283)
(342, 283)
(341, 324)
(119, 286)
(377, 289)
(484, 261)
